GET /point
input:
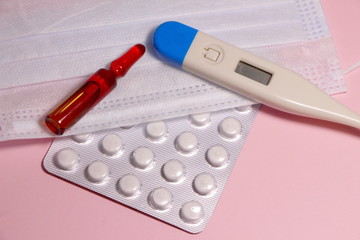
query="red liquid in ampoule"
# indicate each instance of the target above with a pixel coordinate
(93, 91)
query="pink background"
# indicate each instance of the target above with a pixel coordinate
(295, 179)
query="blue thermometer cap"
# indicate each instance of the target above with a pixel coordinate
(172, 41)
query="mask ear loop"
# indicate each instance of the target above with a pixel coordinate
(340, 74)
(353, 67)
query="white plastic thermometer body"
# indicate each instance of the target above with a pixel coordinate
(247, 74)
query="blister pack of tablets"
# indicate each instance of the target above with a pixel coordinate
(174, 170)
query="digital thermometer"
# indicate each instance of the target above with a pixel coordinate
(247, 74)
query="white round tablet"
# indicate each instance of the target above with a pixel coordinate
(129, 185)
(200, 120)
(192, 212)
(204, 184)
(66, 159)
(82, 138)
(217, 156)
(97, 172)
(243, 109)
(173, 171)
(186, 143)
(230, 128)
(160, 199)
(156, 131)
(111, 144)
(142, 157)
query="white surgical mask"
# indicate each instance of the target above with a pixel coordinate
(43, 61)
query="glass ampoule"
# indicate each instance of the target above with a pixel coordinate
(100, 84)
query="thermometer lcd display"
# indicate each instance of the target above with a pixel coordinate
(253, 73)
